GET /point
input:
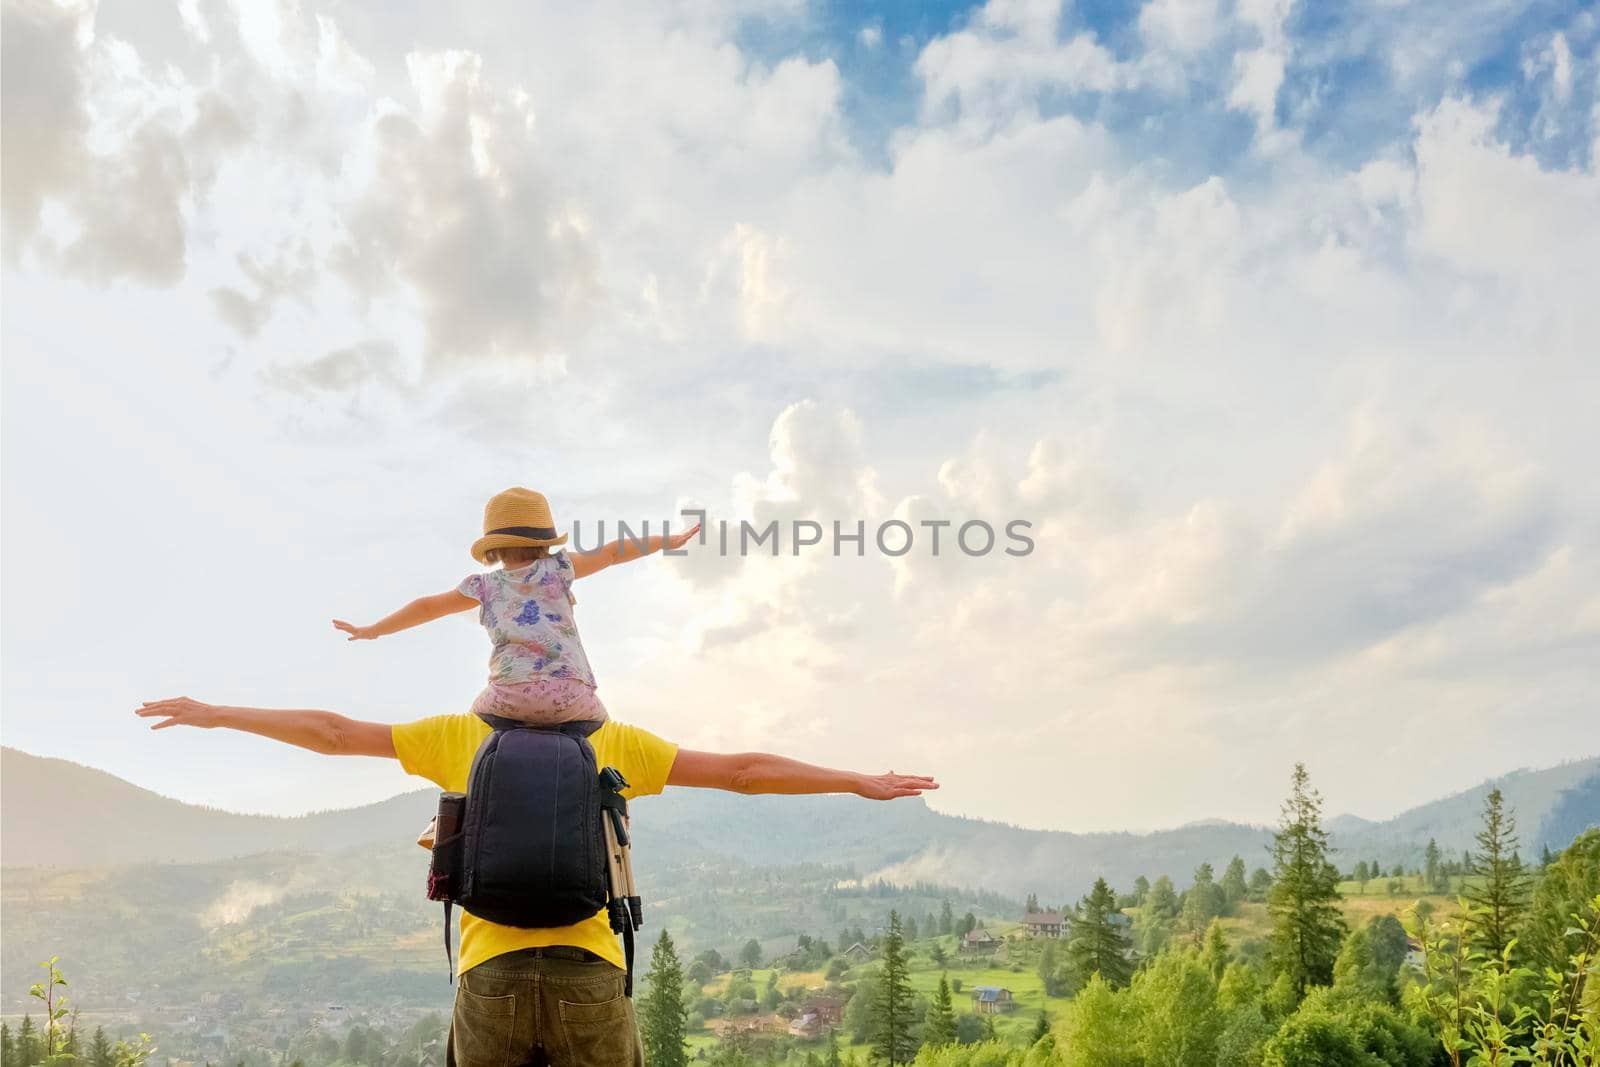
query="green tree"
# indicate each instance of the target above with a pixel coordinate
(750, 954)
(1356, 971)
(1361, 875)
(1141, 890)
(892, 1041)
(1032, 905)
(1202, 903)
(1260, 884)
(8, 1048)
(28, 1050)
(1430, 865)
(947, 922)
(1047, 964)
(1162, 901)
(1239, 987)
(1234, 886)
(1245, 1032)
(355, 1045)
(1040, 1029)
(1097, 945)
(1497, 896)
(50, 993)
(939, 1024)
(1178, 1021)
(1389, 948)
(1215, 952)
(1100, 1028)
(1566, 885)
(662, 1019)
(1156, 917)
(1306, 923)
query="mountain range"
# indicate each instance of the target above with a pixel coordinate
(57, 813)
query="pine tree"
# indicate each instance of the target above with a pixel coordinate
(1234, 887)
(8, 1051)
(1096, 945)
(1500, 896)
(1047, 967)
(662, 1020)
(1430, 864)
(1141, 890)
(1215, 953)
(947, 922)
(27, 1043)
(1040, 1029)
(1306, 923)
(1032, 906)
(1202, 903)
(1162, 901)
(833, 1050)
(891, 1039)
(939, 1025)
(100, 1049)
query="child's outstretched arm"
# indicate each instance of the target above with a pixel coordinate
(421, 610)
(624, 550)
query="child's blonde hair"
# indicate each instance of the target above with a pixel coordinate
(516, 555)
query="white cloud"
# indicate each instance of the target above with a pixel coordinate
(1183, 25)
(1303, 440)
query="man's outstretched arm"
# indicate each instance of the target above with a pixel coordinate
(320, 731)
(760, 772)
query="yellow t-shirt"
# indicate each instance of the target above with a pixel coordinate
(441, 748)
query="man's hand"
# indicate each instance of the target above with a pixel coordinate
(357, 633)
(762, 772)
(319, 731)
(179, 711)
(678, 540)
(892, 785)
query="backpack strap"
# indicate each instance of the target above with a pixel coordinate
(449, 961)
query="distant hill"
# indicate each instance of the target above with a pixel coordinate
(101, 820)
(53, 811)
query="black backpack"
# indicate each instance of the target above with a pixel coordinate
(540, 838)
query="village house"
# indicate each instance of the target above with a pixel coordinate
(858, 953)
(979, 940)
(748, 1024)
(992, 1000)
(1044, 924)
(807, 1026)
(827, 1007)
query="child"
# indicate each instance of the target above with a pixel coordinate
(538, 672)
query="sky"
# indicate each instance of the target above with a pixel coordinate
(1276, 321)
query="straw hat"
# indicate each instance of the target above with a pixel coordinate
(516, 518)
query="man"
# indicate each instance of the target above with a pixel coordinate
(549, 996)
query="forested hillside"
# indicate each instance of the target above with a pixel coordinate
(97, 819)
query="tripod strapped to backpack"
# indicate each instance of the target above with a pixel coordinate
(540, 837)
(626, 910)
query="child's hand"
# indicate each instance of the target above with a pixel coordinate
(678, 540)
(357, 633)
